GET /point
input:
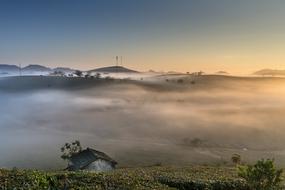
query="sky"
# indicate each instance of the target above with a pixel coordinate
(238, 36)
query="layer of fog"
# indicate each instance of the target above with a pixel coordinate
(141, 126)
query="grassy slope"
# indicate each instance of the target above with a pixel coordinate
(196, 177)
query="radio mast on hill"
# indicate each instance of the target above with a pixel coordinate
(117, 61)
(117, 64)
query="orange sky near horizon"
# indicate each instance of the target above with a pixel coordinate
(237, 36)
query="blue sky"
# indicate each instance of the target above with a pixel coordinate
(235, 35)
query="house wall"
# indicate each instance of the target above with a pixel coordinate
(100, 165)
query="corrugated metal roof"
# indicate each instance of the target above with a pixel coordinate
(86, 157)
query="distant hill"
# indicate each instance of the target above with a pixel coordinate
(173, 72)
(36, 68)
(270, 72)
(154, 72)
(8, 68)
(113, 69)
(39, 69)
(222, 73)
(64, 69)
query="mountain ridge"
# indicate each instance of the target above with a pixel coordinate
(271, 72)
(113, 69)
(36, 68)
(33, 68)
(9, 68)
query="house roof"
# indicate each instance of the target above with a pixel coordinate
(86, 157)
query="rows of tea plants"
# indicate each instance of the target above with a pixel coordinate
(209, 178)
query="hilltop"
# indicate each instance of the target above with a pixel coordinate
(36, 68)
(270, 72)
(222, 73)
(113, 69)
(64, 69)
(6, 69)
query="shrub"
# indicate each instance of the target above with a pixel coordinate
(262, 176)
(98, 75)
(205, 185)
(236, 159)
(180, 81)
(78, 73)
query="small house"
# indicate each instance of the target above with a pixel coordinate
(91, 160)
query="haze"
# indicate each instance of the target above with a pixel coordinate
(144, 123)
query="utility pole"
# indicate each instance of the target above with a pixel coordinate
(20, 69)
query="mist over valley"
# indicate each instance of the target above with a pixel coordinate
(167, 119)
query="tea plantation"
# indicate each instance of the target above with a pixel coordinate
(192, 177)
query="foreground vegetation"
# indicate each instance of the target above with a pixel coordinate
(196, 177)
(261, 176)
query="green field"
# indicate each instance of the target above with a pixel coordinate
(196, 177)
